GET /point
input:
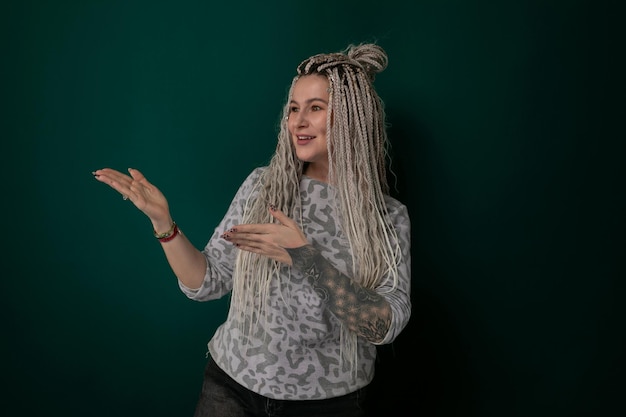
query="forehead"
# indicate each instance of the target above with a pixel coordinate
(310, 86)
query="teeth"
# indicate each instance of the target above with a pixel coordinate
(305, 137)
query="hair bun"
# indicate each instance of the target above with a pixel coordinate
(370, 56)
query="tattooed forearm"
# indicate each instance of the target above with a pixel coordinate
(363, 310)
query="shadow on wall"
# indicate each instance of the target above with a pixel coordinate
(424, 372)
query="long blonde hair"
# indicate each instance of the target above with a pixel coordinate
(357, 149)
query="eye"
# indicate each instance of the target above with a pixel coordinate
(293, 109)
(316, 108)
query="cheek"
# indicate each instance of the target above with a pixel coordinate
(321, 123)
(290, 126)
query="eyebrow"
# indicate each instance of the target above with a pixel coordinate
(309, 100)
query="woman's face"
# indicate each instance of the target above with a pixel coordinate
(307, 123)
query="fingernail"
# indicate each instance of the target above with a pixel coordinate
(272, 207)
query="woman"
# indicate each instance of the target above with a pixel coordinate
(313, 252)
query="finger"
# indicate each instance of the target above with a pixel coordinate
(136, 174)
(261, 229)
(282, 217)
(120, 182)
(252, 246)
(254, 240)
(110, 173)
(264, 244)
(272, 252)
(113, 181)
(113, 178)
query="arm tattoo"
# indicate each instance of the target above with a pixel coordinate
(362, 310)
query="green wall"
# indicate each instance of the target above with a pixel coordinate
(504, 121)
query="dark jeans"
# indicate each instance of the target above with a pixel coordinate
(221, 396)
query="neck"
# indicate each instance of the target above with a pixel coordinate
(316, 172)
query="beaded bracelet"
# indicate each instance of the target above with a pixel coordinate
(175, 233)
(169, 235)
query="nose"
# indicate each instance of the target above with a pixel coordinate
(299, 119)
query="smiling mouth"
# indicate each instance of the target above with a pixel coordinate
(305, 137)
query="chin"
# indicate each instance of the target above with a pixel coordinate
(304, 158)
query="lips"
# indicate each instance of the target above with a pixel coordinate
(304, 139)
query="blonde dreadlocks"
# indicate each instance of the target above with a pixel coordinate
(357, 149)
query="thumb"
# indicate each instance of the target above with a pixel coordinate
(136, 174)
(281, 217)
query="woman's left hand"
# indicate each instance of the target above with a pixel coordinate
(270, 239)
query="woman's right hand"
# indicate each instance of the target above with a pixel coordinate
(187, 262)
(136, 188)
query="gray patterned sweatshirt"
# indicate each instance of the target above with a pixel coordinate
(296, 355)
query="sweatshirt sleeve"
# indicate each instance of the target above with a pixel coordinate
(399, 297)
(356, 305)
(221, 255)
